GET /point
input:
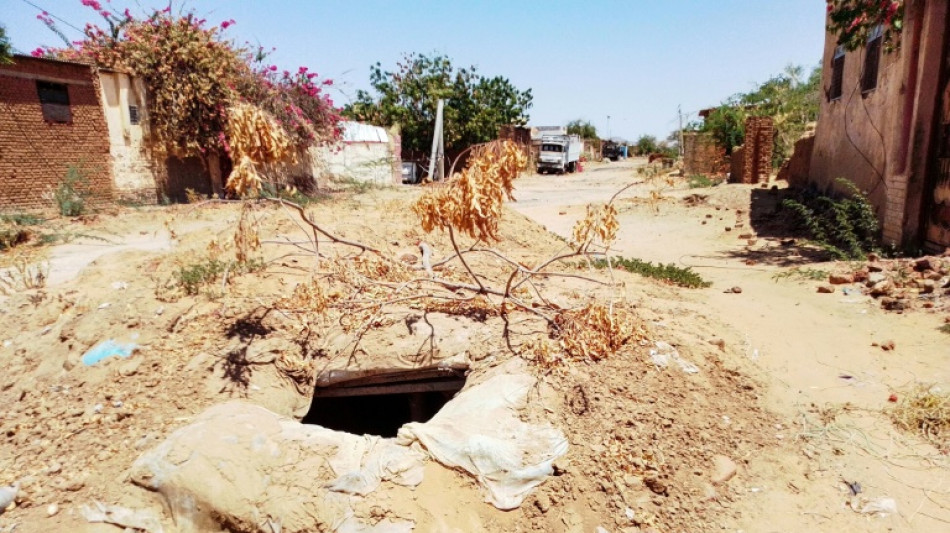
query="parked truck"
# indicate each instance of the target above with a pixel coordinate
(559, 153)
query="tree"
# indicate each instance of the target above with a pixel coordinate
(475, 105)
(646, 145)
(789, 98)
(583, 128)
(6, 51)
(195, 77)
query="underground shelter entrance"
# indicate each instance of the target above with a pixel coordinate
(380, 404)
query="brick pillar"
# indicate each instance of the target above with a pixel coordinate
(757, 159)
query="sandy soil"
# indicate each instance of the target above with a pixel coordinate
(814, 350)
(788, 385)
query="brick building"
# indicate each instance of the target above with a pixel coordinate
(51, 118)
(884, 124)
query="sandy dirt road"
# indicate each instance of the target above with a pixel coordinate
(815, 352)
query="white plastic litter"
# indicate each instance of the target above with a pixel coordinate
(121, 516)
(879, 506)
(479, 431)
(8, 496)
(665, 353)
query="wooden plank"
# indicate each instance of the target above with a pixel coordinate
(395, 388)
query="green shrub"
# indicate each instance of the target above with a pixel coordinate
(683, 277)
(70, 196)
(846, 227)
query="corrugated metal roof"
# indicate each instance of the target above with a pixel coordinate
(359, 132)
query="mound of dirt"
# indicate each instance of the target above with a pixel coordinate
(651, 440)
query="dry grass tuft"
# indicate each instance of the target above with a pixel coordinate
(925, 409)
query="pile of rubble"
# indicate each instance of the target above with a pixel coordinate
(902, 284)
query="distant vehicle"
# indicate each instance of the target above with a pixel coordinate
(613, 151)
(559, 153)
(411, 172)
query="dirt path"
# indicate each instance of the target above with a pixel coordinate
(814, 350)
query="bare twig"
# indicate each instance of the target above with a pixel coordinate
(333, 238)
(462, 259)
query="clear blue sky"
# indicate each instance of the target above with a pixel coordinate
(634, 61)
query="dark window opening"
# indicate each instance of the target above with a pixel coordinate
(133, 115)
(380, 406)
(552, 148)
(54, 99)
(872, 60)
(837, 74)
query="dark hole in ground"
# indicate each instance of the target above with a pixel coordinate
(381, 404)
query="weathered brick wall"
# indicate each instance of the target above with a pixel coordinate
(34, 154)
(757, 157)
(701, 154)
(795, 171)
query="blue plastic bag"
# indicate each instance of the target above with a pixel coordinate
(107, 349)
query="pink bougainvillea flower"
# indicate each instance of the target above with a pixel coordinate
(225, 24)
(93, 4)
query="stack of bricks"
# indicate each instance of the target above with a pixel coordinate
(35, 154)
(757, 150)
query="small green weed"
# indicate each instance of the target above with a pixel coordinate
(13, 236)
(683, 277)
(293, 195)
(846, 227)
(813, 274)
(12, 230)
(945, 328)
(191, 278)
(354, 185)
(21, 219)
(700, 181)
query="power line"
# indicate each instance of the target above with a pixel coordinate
(64, 21)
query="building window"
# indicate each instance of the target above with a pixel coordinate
(872, 59)
(837, 74)
(133, 115)
(54, 98)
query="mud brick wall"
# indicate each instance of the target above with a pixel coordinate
(35, 154)
(701, 154)
(757, 159)
(796, 170)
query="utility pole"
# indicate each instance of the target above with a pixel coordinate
(608, 127)
(679, 114)
(438, 147)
